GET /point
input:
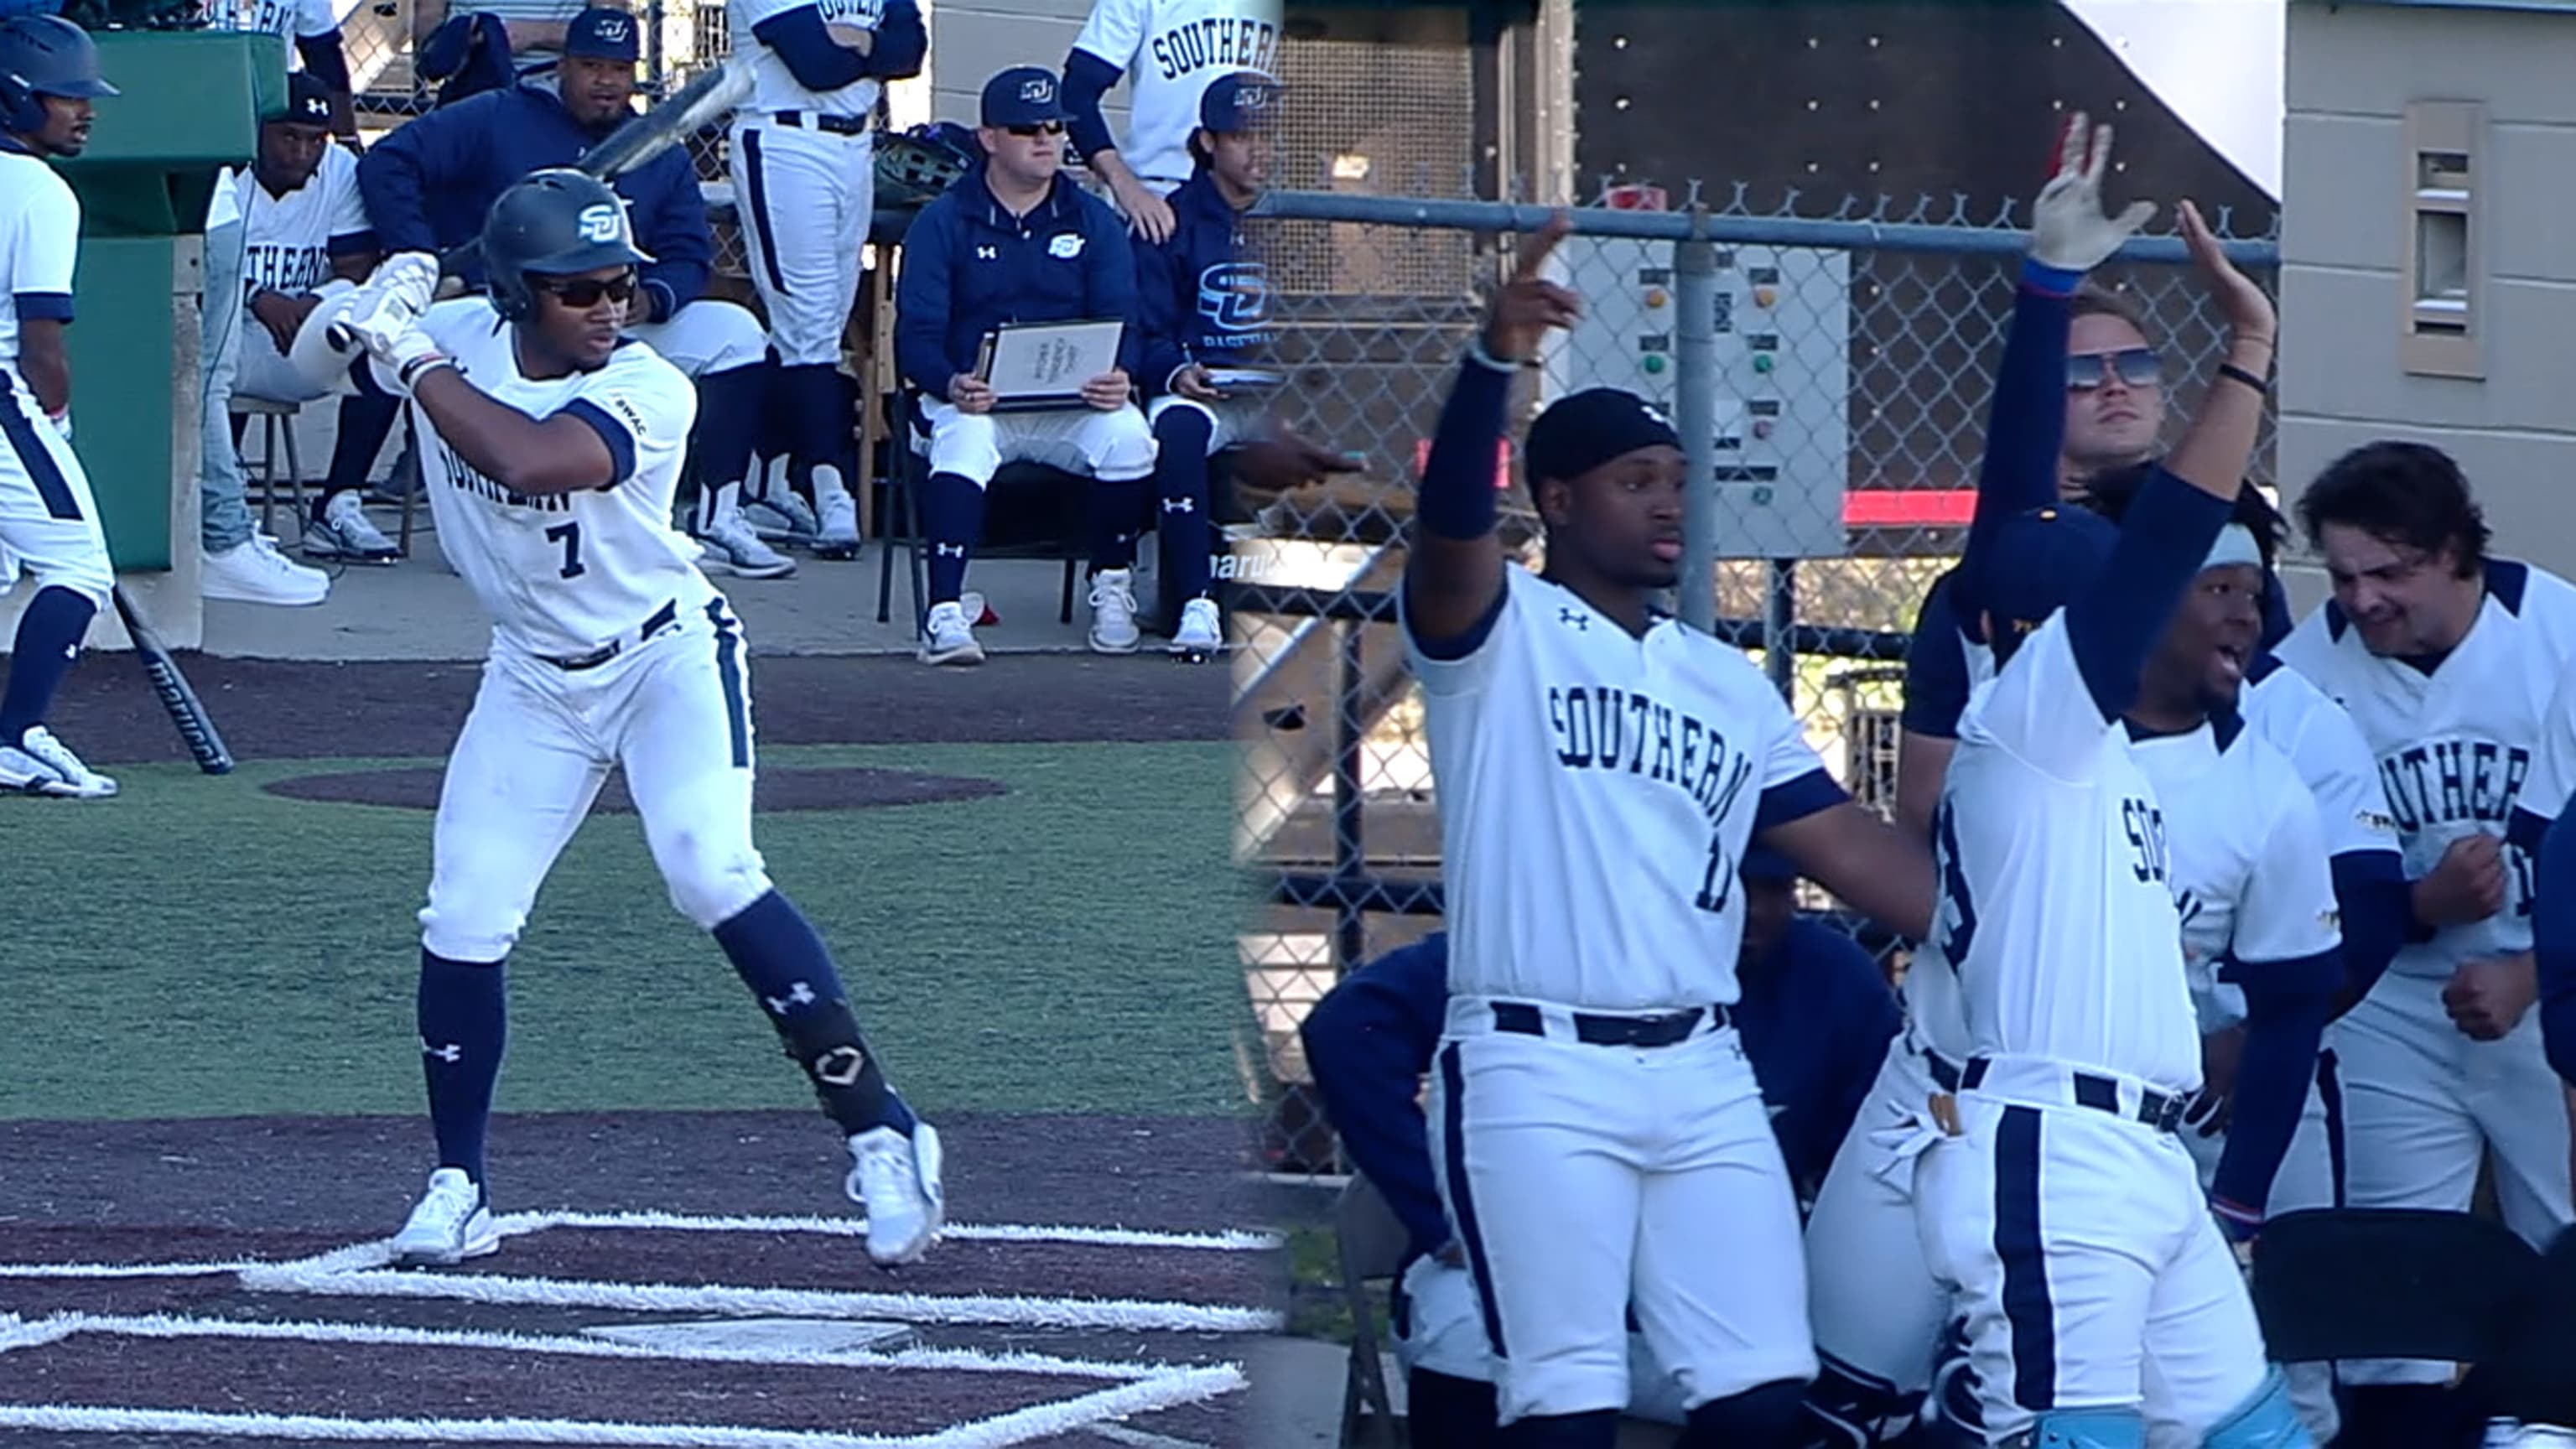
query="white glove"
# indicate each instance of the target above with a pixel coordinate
(2068, 228)
(394, 295)
(396, 341)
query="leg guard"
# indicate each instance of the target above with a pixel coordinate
(1766, 1416)
(2084, 1429)
(2265, 1421)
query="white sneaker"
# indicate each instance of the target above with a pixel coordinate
(1200, 631)
(837, 532)
(948, 637)
(2542, 1436)
(1113, 612)
(254, 572)
(784, 519)
(897, 1180)
(731, 547)
(346, 532)
(39, 764)
(451, 1224)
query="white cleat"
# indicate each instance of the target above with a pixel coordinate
(897, 1180)
(730, 546)
(1113, 612)
(451, 1224)
(1200, 631)
(782, 519)
(39, 764)
(948, 637)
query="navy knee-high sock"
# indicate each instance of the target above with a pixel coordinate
(2405, 1416)
(464, 1027)
(366, 420)
(1181, 483)
(49, 637)
(777, 954)
(817, 415)
(952, 523)
(728, 418)
(1117, 511)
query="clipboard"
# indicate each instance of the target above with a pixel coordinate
(1043, 365)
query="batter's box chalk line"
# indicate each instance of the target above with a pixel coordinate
(1136, 1389)
(362, 1271)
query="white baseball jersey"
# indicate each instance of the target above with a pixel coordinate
(2455, 745)
(2250, 878)
(774, 86)
(291, 19)
(2057, 921)
(1597, 791)
(39, 245)
(286, 240)
(2325, 747)
(1170, 50)
(564, 574)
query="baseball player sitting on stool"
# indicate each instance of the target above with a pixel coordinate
(278, 232)
(1169, 52)
(1016, 241)
(48, 521)
(2447, 658)
(803, 158)
(2054, 1193)
(1205, 302)
(553, 447)
(429, 184)
(1816, 1015)
(1601, 772)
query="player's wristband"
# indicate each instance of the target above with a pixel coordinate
(2239, 1223)
(2233, 373)
(413, 370)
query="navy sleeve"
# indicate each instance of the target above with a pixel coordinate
(2553, 943)
(44, 306)
(2026, 426)
(2372, 896)
(1110, 286)
(2114, 624)
(674, 230)
(1368, 1043)
(922, 302)
(1936, 665)
(327, 59)
(1086, 79)
(2277, 622)
(1458, 481)
(397, 174)
(804, 45)
(2526, 829)
(902, 42)
(1161, 313)
(2286, 1004)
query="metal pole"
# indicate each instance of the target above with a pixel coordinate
(1350, 853)
(1779, 620)
(1695, 416)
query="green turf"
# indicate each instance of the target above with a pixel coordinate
(199, 947)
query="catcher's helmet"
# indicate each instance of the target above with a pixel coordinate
(555, 222)
(44, 55)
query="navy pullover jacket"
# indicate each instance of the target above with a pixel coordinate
(1202, 299)
(970, 266)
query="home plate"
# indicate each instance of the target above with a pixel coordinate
(765, 1335)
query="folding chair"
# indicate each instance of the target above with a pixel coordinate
(2439, 1285)
(1372, 1242)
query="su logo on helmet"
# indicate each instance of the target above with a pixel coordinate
(602, 223)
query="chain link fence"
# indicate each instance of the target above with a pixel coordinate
(1841, 363)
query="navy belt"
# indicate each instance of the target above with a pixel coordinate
(817, 121)
(1944, 1075)
(663, 618)
(2155, 1109)
(1660, 1029)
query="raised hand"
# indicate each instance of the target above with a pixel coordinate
(2249, 313)
(1528, 304)
(2069, 230)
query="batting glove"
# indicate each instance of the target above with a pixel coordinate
(398, 343)
(2069, 230)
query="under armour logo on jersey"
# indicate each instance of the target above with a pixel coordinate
(1180, 505)
(949, 550)
(988, 254)
(602, 223)
(799, 994)
(450, 1053)
(1576, 617)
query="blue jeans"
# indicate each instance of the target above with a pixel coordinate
(223, 506)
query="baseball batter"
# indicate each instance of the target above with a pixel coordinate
(1601, 772)
(1168, 51)
(48, 522)
(2446, 657)
(803, 160)
(552, 448)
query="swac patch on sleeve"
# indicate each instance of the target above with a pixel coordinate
(627, 410)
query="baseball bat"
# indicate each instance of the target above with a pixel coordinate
(196, 727)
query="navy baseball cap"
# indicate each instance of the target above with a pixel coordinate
(1024, 95)
(1583, 430)
(600, 33)
(308, 101)
(1236, 103)
(2037, 562)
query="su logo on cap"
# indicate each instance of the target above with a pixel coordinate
(612, 28)
(1038, 90)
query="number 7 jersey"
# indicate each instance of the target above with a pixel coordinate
(561, 575)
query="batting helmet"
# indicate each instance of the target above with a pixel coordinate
(555, 223)
(44, 55)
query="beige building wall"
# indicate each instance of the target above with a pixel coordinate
(2366, 229)
(971, 39)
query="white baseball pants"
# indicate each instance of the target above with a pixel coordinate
(705, 336)
(1114, 447)
(805, 197)
(1873, 1302)
(673, 711)
(49, 524)
(1582, 1181)
(1232, 421)
(1444, 1335)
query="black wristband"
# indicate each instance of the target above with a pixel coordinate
(2234, 373)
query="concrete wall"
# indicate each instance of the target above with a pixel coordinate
(971, 39)
(2346, 290)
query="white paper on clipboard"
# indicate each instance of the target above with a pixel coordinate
(1049, 361)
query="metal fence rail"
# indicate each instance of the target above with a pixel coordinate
(1829, 370)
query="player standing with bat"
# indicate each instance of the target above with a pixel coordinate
(551, 474)
(48, 522)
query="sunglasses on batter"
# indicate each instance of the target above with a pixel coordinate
(583, 293)
(2137, 366)
(1044, 128)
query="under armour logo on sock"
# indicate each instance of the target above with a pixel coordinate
(1180, 505)
(799, 994)
(450, 1053)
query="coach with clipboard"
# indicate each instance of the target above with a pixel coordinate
(1013, 320)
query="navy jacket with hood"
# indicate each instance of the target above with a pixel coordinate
(1204, 300)
(969, 266)
(428, 184)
